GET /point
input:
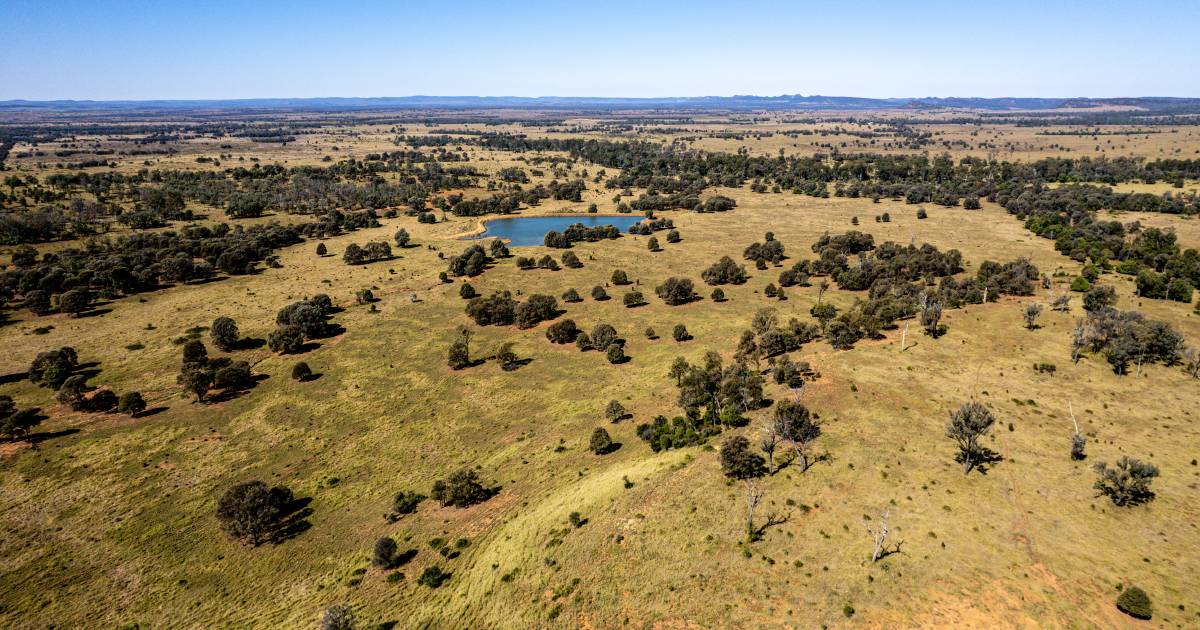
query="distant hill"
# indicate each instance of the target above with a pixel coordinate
(737, 103)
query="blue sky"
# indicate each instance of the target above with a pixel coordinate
(56, 49)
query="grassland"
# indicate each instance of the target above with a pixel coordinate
(111, 521)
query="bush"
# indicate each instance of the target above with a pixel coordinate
(466, 291)
(603, 335)
(1134, 602)
(321, 249)
(301, 371)
(338, 617)
(1080, 284)
(725, 271)
(619, 278)
(601, 441)
(406, 502)
(680, 333)
(633, 298)
(131, 403)
(103, 401)
(599, 294)
(616, 354)
(1127, 483)
(718, 295)
(433, 577)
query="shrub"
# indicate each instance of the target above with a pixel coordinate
(718, 295)
(301, 371)
(680, 333)
(499, 309)
(633, 298)
(52, 367)
(338, 617)
(600, 442)
(433, 577)
(575, 518)
(1080, 284)
(321, 249)
(466, 291)
(1126, 483)
(14, 423)
(571, 296)
(619, 278)
(616, 354)
(571, 261)
(1134, 602)
(536, 309)
(725, 271)
(599, 294)
(402, 238)
(131, 403)
(103, 401)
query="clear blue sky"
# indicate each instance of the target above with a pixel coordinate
(60, 49)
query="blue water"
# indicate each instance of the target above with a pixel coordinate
(526, 231)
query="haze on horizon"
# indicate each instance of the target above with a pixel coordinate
(141, 50)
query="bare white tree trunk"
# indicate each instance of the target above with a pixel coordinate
(878, 534)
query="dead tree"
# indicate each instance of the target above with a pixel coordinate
(1078, 442)
(754, 496)
(770, 440)
(1192, 360)
(879, 536)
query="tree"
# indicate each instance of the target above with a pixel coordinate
(718, 295)
(196, 381)
(131, 403)
(1031, 314)
(195, 354)
(433, 577)
(466, 291)
(562, 331)
(354, 255)
(931, 315)
(600, 442)
(253, 512)
(603, 336)
(402, 238)
(571, 296)
(633, 299)
(653, 245)
(102, 401)
(286, 339)
(616, 354)
(676, 291)
(1134, 602)
(71, 391)
(614, 411)
(507, 358)
(599, 294)
(966, 426)
(460, 489)
(680, 333)
(618, 278)
(823, 313)
(459, 355)
(384, 553)
(879, 534)
(321, 249)
(52, 367)
(16, 423)
(74, 301)
(1099, 297)
(794, 423)
(224, 334)
(338, 617)
(1126, 483)
(738, 462)
(679, 367)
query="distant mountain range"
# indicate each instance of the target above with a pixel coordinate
(742, 103)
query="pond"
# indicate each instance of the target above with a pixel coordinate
(527, 231)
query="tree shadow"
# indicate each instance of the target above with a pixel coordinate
(15, 377)
(249, 343)
(888, 551)
(37, 438)
(208, 280)
(312, 377)
(293, 521)
(981, 459)
(153, 411)
(95, 312)
(612, 448)
(516, 365)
